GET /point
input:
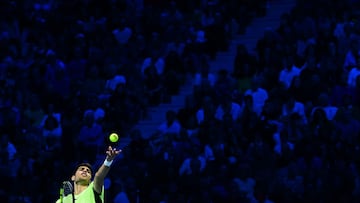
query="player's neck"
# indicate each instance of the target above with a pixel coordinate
(79, 187)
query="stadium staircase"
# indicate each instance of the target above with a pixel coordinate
(254, 32)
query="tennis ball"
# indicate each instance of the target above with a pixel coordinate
(113, 137)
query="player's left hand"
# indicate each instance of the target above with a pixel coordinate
(111, 153)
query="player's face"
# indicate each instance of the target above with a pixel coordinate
(83, 174)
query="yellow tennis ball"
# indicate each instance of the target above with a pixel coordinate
(113, 137)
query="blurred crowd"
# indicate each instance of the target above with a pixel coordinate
(73, 71)
(281, 125)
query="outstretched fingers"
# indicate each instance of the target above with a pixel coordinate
(112, 152)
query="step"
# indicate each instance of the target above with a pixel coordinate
(162, 111)
(281, 4)
(267, 21)
(277, 9)
(186, 92)
(178, 100)
(216, 67)
(146, 132)
(187, 86)
(258, 32)
(247, 36)
(224, 57)
(250, 43)
(221, 65)
(160, 114)
(171, 106)
(225, 61)
(232, 48)
(150, 122)
(155, 118)
(221, 55)
(250, 35)
(164, 107)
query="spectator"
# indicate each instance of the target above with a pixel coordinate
(155, 60)
(33, 112)
(206, 112)
(9, 164)
(171, 125)
(258, 94)
(324, 104)
(243, 67)
(292, 107)
(226, 106)
(123, 33)
(194, 164)
(289, 71)
(52, 129)
(153, 86)
(121, 196)
(354, 72)
(204, 76)
(350, 58)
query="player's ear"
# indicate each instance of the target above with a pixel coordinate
(73, 178)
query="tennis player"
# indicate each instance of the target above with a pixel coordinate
(87, 186)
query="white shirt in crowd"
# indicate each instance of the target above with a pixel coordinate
(200, 36)
(286, 76)
(11, 149)
(353, 74)
(298, 108)
(114, 82)
(200, 116)
(122, 36)
(350, 60)
(259, 97)
(208, 153)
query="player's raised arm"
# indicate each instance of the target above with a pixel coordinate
(100, 175)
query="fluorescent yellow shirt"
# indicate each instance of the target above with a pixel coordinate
(86, 196)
